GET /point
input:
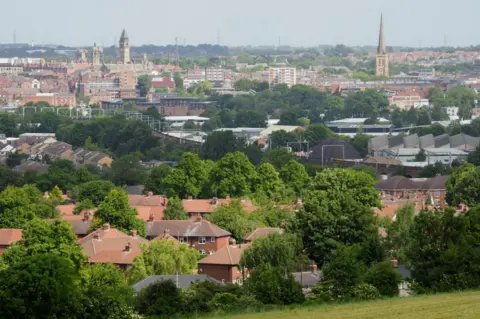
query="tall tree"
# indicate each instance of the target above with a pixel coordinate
(155, 182)
(163, 257)
(95, 191)
(268, 181)
(462, 186)
(175, 210)
(116, 211)
(233, 175)
(128, 170)
(144, 83)
(234, 219)
(295, 176)
(188, 178)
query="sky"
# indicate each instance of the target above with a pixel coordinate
(247, 22)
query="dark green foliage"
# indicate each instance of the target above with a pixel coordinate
(40, 286)
(218, 144)
(277, 157)
(234, 219)
(463, 186)
(200, 294)
(9, 178)
(437, 169)
(155, 182)
(175, 210)
(162, 298)
(223, 301)
(144, 83)
(384, 277)
(128, 170)
(95, 191)
(274, 285)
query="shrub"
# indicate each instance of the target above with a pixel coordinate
(162, 298)
(384, 277)
(365, 292)
(223, 301)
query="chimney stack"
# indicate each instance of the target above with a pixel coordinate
(150, 218)
(134, 233)
(190, 197)
(198, 219)
(233, 242)
(166, 232)
(86, 215)
(128, 247)
(314, 269)
(149, 194)
(164, 200)
(96, 236)
(228, 197)
(214, 201)
(106, 227)
(395, 263)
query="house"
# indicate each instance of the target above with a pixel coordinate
(8, 149)
(199, 234)
(58, 150)
(261, 232)
(182, 281)
(81, 224)
(308, 279)
(224, 265)
(109, 245)
(203, 207)
(400, 188)
(31, 166)
(84, 157)
(8, 237)
(148, 206)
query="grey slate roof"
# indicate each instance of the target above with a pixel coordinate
(396, 183)
(184, 281)
(395, 141)
(307, 278)
(427, 141)
(378, 142)
(411, 141)
(442, 140)
(464, 141)
(185, 228)
(403, 271)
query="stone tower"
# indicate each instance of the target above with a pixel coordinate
(96, 55)
(124, 57)
(382, 54)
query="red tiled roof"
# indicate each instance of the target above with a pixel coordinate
(185, 228)
(228, 255)
(262, 232)
(209, 205)
(144, 212)
(9, 236)
(143, 200)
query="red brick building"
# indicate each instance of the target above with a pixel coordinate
(224, 264)
(202, 235)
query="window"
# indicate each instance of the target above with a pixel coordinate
(437, 194)
(212, 239)
(201, 240)
(202, 252)
(183, 239)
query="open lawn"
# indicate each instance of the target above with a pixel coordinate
(456, 305)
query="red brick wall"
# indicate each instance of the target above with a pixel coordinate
(224, 273)
(209, 246)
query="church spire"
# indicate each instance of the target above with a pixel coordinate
(382, 49)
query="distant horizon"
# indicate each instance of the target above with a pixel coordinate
(305, 23)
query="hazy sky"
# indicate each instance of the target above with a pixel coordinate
(256, 22)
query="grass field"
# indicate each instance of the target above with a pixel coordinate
(457, 305)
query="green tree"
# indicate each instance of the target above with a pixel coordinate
(155, 182)
(274, 286)
(360, 184)
(106, 292)
(144, 83)
(218, 144)
(43, 237)
(234, 219)
(459, 187)
(128, 170)
(95, 191)
(163, 257)
(332, 218)
(178, 82)
(233, 175)
(268, 180)
(40, 286)
(281, 138)
(277, 157)
(188, 178)
(295, 176)
(421, 156)
(384, 277)
(277, 249)
(317, 132)
(161, 298)
(399, 231)
(116, 211)
(56, 194)
(9, 178)
(175, 210)
(474, 157)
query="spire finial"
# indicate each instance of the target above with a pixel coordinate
(382, 49)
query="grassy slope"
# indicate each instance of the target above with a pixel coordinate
(457, 305)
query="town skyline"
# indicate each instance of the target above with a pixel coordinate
(261, 24)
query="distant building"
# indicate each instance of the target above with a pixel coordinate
(96, 55)
(382, 54)
(124, 57)
(282, 76)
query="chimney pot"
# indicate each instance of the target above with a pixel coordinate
(198, 219)
(151, 217)
(149, 194)
(164, 201)
(86, 215)
(314, 269)
(128, 247)
(96, 236)
(167, 231)
(233, 242)
(106, 227)
(134, 233)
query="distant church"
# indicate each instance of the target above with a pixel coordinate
(124, 44)
(382, 54)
